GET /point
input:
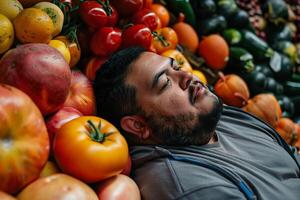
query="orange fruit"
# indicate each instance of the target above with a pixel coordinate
(215, 51)
(162, 13)
(33, 25)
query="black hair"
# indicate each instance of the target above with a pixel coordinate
(115, 98)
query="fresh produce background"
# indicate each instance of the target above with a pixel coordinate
(247, 51)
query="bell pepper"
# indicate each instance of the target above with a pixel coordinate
(183, 6)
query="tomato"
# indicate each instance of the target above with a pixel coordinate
(93, 65)
(106, 41)
(147, 17)
(57, 187)
(24, 143)
(112, 17)
(162, 13)
(182, 62)
(6, 34)
(90, 149)
(93, 14)
(74, 49)
(164, 39)
(119, 187)
(62, 48)
(147, 3)
(127, 8)
(137, 35)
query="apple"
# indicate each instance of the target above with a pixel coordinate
(61, 117)
(119, 187)
(81, 94)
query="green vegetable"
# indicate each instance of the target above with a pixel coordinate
(287, 106)
(240, 20)
(278, 33)
(292, 88)
(276, 11)
(241, 59)
(256, 46)
(227, 8)
(204, 8)
(215, 24)
(232, 36)
(183, 6)
(288, 49)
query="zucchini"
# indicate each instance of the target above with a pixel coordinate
(288, 49)
(239, 20)
(241, 59)
(292, 88)
(227, 8)
(295, 77)
(215, 24)
(281, 67)
(204, 8)
(278, 33)
(232, 36)
(265, 69)
(256, 46)
(276, 11)
(296, 101)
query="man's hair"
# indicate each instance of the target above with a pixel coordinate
(115, 98)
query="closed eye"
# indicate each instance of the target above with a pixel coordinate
(166, 85)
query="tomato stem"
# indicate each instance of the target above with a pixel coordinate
(95, 132)
(105, 6)
(161, 38)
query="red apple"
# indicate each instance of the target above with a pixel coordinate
(119, 187)
(81, 95)
(127, 170)
(61, 117)
(41, 72)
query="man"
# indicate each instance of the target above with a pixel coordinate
(184, 143)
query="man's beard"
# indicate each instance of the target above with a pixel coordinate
(186, 129)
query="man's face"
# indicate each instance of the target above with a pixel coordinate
(178, 108)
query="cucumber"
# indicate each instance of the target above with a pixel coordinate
(232, 36)
(215, 24)
(241, 59)
(256, 46)
(55, 13)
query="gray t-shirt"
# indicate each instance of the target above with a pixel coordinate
(245, 146)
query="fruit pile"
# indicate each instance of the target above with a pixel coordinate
(247, 52)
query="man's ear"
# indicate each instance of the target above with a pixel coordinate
(136, 125)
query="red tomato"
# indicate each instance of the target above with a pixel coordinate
(112, 17)
(147, 17)
(93, 65)
(90, 149)
(137, 35)
(127, 8)
(147, 3)
(24, 142)
(57, 187)
(106, 41)
(119, 187)
(93, 14)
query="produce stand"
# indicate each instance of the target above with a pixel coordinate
(246, 51)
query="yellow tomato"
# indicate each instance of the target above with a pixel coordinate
(6, 34)
(183, 63)
(62, 48)
(73, 48)
(33, 25)
(29, 3)
(200, 75)
(10, 8)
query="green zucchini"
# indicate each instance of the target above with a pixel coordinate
(241, 59)
(264, 68)
(278, 33)
(276, 11)
(295, 77)
(232, 36)
(215, 24)
(292, 88)
(227, 8)
(183, 6)
(239, 20)
(204, 8)
(288, 49)
(256, 46)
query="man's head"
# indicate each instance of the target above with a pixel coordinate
(153, 101)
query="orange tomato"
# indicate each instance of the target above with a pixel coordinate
(164, 39)
(62, 48)
(73, 48)
(187, 35)
(90, 149)
(33, 25)
(215, 51)
(162, 13)
(182, 62)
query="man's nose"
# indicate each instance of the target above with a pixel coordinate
(185, 79)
